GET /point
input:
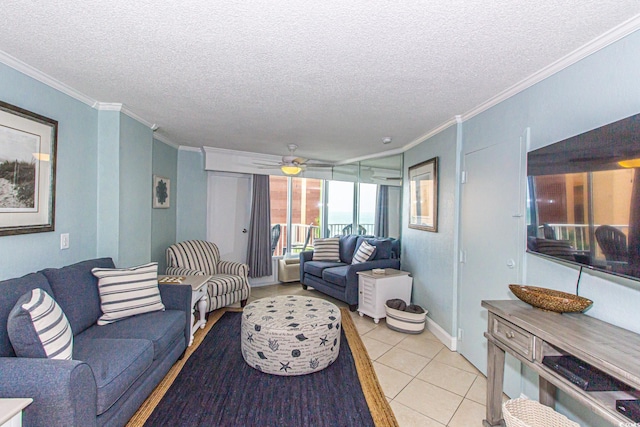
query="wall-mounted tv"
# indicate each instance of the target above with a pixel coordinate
(583, 202)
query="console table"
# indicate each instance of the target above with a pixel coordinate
(529, 334)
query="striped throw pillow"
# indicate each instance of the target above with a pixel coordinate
(364, 253)
(37, 327)
(125, 292)
(326, 249)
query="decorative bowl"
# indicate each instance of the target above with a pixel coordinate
(550, 299)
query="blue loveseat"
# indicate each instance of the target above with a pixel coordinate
(114, 368)
(339, 279)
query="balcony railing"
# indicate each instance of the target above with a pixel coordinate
(299, 235)
(577, 234)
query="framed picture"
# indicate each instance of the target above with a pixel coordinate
(423, 195)
(161, 192)
(27, 171)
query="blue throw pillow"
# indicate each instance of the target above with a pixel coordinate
(383, 248)
(38, 328)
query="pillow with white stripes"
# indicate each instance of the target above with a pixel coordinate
(364, 253)
(38, 328)
(125, 292)
(326, 249)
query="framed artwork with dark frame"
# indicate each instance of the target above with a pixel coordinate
(27, 171)
(423, 195)
(161, 192)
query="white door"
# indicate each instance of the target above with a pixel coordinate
(492, 242)
(229, 214)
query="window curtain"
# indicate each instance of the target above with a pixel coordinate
(259, 247)
(382, 212)
(634, 227)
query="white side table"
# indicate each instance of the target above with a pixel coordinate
(375, 289)
(198, 297)
(11, 411)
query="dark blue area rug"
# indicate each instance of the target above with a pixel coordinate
(216, 387)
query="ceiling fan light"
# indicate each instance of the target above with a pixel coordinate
(290, 169)
(631, 163)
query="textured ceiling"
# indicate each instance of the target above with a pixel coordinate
(334, 77)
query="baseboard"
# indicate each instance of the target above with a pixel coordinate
(450, 342)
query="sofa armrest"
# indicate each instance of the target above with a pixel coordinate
(232, 267)
(179, 271)
(178, 297)
(304, 257)
(63, 391)
(352, 276)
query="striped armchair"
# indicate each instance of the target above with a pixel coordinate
(228, 283)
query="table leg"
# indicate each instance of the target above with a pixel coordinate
(495, 379)
(202, 307)
(547, 392)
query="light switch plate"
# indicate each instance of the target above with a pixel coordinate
(64, 241)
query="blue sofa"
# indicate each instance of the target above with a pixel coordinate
(114, 368)
(339, 279)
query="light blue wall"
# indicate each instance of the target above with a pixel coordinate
(163, 221)
(429, 256)
(599, 89)
(108, 176)
(136, 153)
(76, 184)
(192, 196)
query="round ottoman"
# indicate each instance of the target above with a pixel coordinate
(290, 335)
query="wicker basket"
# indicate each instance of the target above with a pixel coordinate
(523, 412)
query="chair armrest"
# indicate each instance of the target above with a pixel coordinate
(232, 267)
(178, 297)
(63, 391)
(179, 271)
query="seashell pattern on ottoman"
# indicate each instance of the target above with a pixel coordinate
(290, 334)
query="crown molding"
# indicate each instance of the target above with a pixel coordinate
(164, 139)
(38, 75)
(116, 106)
(600, 42)
(189, 148)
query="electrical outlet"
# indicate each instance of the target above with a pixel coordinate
(64, 241)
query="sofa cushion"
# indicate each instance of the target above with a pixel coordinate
(159, 327)
(11, 290)
(348, 245)
(336, 275)
(116, 365)
(315, 268)
(383, 248)
(125, 292)
(364, 253)
(75, 283)
(38, 328)
(326, 249)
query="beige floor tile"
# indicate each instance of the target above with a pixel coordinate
(452, 358)
(469, 414)
(375, 348)
(447, 377)
(429, 400)
(407, 417)
(428, 335)
(392, 381)
(478, 390)
(404, 361)
(386, 335)
(419, 344)
(363, 326)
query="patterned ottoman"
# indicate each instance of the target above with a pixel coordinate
(290, 335)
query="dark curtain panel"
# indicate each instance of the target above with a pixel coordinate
(259, 248)
(382, 212)
(634, 227)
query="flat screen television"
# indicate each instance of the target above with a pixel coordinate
(583, 203)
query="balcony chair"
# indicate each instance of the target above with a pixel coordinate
(228, 283)
(275, 237)
(347, 230)
(613, 244)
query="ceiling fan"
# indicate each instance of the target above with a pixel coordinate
(293, 165)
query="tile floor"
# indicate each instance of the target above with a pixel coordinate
(425, 383)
